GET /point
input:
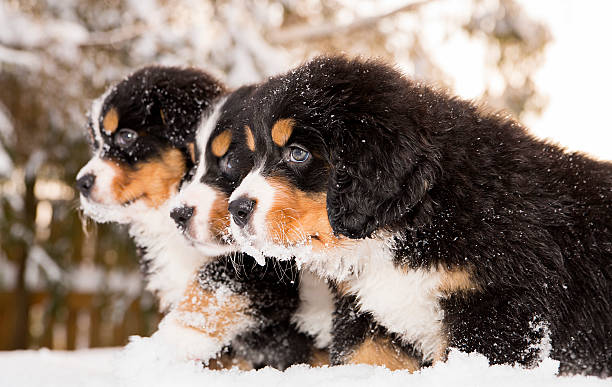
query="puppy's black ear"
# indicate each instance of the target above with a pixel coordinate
(376, 183)
(382, 162)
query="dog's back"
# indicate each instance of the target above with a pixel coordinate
(536, 223)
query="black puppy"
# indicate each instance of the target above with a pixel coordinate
(442, 225)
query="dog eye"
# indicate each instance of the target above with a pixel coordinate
(125, 137)
(298, 155)
(189, 175)
(227, 163)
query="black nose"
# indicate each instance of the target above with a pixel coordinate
(84, 184)
(181, 216)
(241, 210)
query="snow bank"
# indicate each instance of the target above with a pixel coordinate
(141, 365)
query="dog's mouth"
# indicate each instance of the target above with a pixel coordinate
(260, 245)
(211, 243)
(213, 247)
(130, 201)
(113, 206)
(104, 212)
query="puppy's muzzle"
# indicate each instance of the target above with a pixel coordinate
(181, 216)
(241, 210)
(85, 183)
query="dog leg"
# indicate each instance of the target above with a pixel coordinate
(357, 339)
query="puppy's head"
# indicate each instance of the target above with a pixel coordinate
(338, 152)
(200, 210)
(142, 133)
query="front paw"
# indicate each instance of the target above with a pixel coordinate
(182, 342)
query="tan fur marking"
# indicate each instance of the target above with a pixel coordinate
(281, 131)
(153, 182)
(226, 362)
(221, 143)
(216, 315)
(441, 353)
(163, 116)
(219, 217)
(380, 351)
(111, 121)
(343, 288)
(296, 216)
(250, 140)
(454, 281)
(191, 150)
(319, 358)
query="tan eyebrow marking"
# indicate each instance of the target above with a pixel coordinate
(281, 131)
(221, 143)
(250, 140)
(111, 121)
(191, 150)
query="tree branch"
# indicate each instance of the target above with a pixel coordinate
(309, 32)
(115, 36)
(19, 58)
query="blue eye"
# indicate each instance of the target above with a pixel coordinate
(227, 163)
(299, 155)
(125, 138)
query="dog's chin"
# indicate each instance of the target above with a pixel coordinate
(207, 245)
(259, 245)
(213, 249)
(105, 213)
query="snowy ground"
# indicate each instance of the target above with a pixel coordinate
(110, 367)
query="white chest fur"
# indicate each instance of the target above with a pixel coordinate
(174, 261)
(404, 301)
(314, 315)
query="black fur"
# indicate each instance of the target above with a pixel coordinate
(226, 172)
(162, 104)
(460, 189)
(273, 294)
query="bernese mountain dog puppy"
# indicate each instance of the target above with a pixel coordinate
(201, 213)
(441, 225)
(142, 133)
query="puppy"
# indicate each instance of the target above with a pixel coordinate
(142, 133)
(201, 213)
(441, 225)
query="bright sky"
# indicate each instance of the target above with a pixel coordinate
(577, 74)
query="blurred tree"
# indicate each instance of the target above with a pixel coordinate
(55, 56)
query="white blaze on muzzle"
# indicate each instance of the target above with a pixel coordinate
(104, 175)
(100, 203)
(253, 237)
(200, 196)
